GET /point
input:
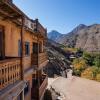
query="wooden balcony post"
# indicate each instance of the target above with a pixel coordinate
(22, 50)
(38, 72)
(22, 95)
(2, 42)
(37, 53)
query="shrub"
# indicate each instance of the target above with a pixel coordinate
(90, 73)
(97, 61)
(98, 77)
(87, 73)
(79, 66)
(89, 58)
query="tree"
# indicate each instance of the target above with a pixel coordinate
(79, 66)
(97, 61)
(89, 58)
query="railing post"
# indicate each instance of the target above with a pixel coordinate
(22, 49)
(22, 95)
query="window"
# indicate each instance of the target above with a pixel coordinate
(27, 48)
(26, 89)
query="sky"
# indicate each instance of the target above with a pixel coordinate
(61, 15)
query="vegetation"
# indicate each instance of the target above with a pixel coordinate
(68, 49)
(98, 77)
(88, 66)
(90, 73)
(97, 61)
(79, 66)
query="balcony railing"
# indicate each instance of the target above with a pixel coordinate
(9, 72)
(43, 86)
(42, 30)
(39, 59)
(39, 90)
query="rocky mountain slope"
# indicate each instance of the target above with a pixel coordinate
(85, 37)
(54, 35)
(89, 38)
(70, 38)
(58, 64)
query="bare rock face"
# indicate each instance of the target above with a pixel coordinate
(85, 37)
(58, 64)
(54, 35)
(70, 38)
(89, 38)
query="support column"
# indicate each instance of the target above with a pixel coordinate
(22, 49)
(22, 95)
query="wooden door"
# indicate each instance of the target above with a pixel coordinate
(2, 43)
(35, 47)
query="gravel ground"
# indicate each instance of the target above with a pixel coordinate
(75, 88)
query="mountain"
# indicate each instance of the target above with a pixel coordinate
(85, 37)
(89, 38)
(70, 38)
(54, 35)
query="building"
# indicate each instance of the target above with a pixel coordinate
(22, 55)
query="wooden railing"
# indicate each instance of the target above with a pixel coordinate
(42, 30)
(43, 86)
(42, 57)
(9, 72)
(38, 91)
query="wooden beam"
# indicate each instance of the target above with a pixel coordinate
(13, 7)
(4, 13)
(22, 49)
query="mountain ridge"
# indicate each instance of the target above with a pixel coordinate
(54, 35)
(83, 36)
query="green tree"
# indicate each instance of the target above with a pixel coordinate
(97, 61)
(89, 58)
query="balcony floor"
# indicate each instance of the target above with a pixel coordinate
(12, 90)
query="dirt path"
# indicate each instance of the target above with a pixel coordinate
(75, 88)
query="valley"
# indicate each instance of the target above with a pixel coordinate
(72, 68)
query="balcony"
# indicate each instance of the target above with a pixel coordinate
(9, 72)
(42, 30)
(38, 90)
(40, 59)
(43, 86)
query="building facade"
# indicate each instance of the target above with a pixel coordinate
(22, 55)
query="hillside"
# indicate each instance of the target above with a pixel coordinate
(85, 37)
(89, 38)
(54, 35)
(58, 64)
(70, 38)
